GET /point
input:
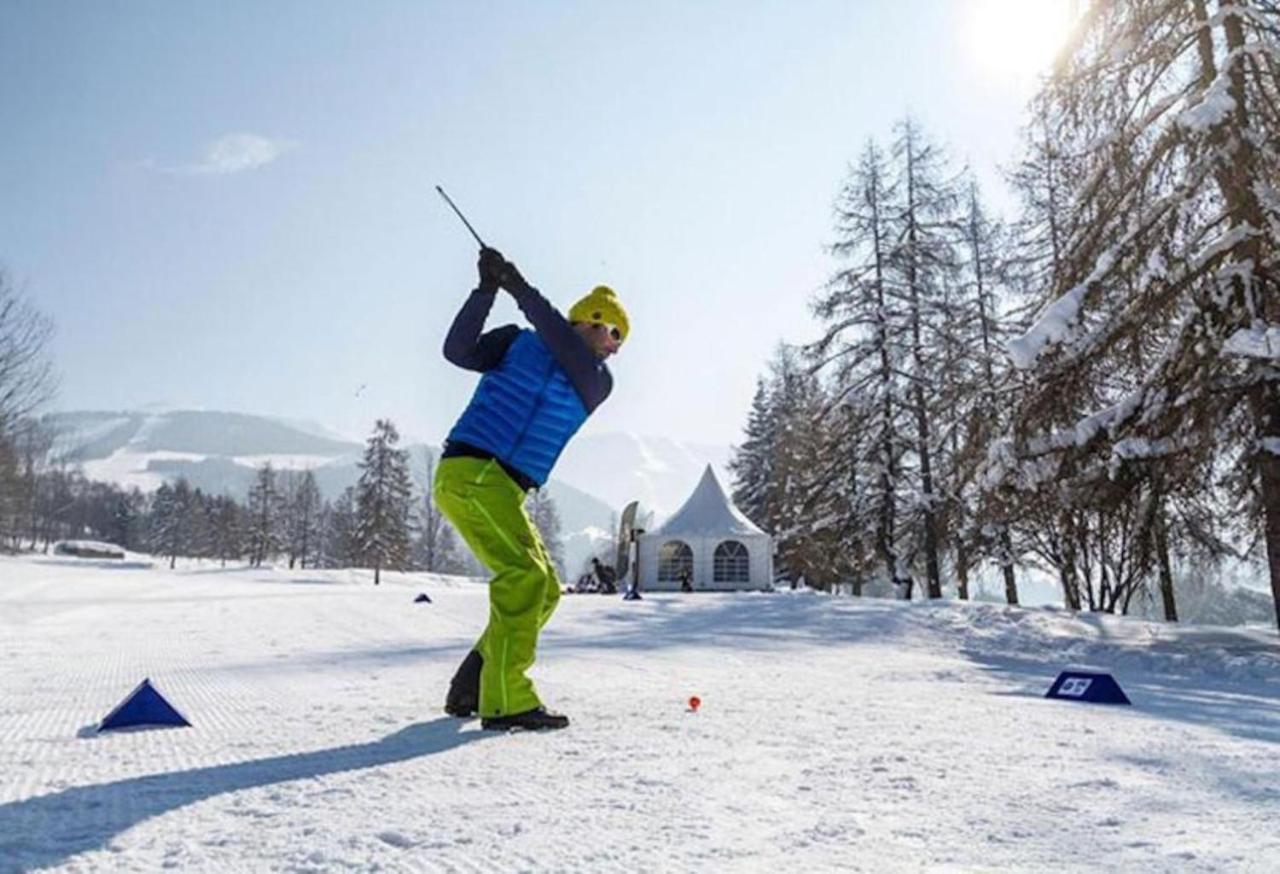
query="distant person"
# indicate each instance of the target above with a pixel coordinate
(686, 581)
(607, 576)
(538, 387)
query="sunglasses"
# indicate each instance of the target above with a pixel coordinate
(612, 329)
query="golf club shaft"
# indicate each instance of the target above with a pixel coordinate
(449, 201)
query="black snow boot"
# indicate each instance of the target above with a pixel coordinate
(464, 689)
(538, 719)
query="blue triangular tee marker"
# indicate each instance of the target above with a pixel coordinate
(144, 706)
(1088, 686)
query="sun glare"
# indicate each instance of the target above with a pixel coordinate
(1016, 38)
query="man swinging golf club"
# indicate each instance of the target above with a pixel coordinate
(538, 387)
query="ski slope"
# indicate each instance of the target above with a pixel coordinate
(834, 734)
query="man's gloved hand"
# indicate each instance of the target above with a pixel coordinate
(490, 266)
(510, 279)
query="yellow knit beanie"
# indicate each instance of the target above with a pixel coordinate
(601, 305)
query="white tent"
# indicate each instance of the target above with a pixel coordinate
(711, 540)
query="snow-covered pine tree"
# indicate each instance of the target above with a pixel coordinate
(309, 524)
(226, 529)
(300, 510)
(124, 512)
(341, 548)
(1171, 108)
(808, 516)
(287, 482)
(165, 523)
(1044, 524)
(263, 524)
(923, 257)
(778, 466)
(840, 523)
(978, 393)
(863, 347)
(384, 502)
(1044, 519)
(751, 464)
(545, 516)
(193, 528)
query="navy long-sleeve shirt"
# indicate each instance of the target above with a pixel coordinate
(467, 347)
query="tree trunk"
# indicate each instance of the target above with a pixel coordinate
(1006, 566)
(1069, 573)
(1070, 592)
(933, 574)
(962, 572)
(1266, 415)
(1010, 585)
(1240, 184)
(1166, 574)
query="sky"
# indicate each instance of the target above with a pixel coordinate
(231, 205)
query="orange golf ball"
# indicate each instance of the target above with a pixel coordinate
(694, 703)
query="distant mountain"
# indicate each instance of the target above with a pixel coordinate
(219, 452)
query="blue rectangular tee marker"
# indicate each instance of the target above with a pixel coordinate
(144, 706)
(1087, 686)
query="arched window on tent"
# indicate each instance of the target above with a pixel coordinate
(674, 558)
(732, 563)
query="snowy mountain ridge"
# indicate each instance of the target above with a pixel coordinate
(122, 447)
(597, 475)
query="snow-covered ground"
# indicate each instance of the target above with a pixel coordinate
(834, 734)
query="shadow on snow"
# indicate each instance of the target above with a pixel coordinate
(49, 829)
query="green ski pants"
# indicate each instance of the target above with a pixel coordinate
(486, 506)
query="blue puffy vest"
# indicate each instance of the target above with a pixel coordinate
(524, 411)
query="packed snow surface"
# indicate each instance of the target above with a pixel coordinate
(834, 733)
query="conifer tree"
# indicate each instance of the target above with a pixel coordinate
(341, 548)
(923, 259)
(979, 394)
(751, 464)
(226, 529)
(127, 514)
(300, 507)
(263, 532)
(165, 529)
(383, 502)
(863, 347)
(1153, 349)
